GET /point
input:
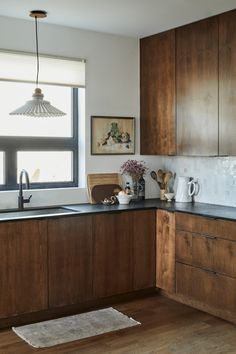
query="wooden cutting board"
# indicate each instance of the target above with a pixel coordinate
(102, 179)
(102, 191)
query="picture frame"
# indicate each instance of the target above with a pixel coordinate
(112, 135)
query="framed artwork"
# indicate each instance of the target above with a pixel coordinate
(112, 135)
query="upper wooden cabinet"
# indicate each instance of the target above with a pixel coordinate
(197, 88)
(188, 89)
(157, 89)
(227, 83)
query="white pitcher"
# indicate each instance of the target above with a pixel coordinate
(186, 188)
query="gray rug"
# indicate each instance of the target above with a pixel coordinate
(67, 329)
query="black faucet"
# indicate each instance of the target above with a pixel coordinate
(21, 200)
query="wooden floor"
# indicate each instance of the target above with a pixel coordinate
(167, 327)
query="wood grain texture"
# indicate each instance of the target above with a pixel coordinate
(197, 224)
(197, 88)
(23, 267)
(212, 290)
(70, 260)
(213, 247)
(113, 241)
(144, 249)
(157, 90)
(221, 228)
(183, 246)
(166, 327)
(165, 255)
(227, 83)
(94, 179)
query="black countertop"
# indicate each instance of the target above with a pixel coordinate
(208, 210)
(203, 209)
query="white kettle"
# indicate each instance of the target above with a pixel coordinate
(186, 188)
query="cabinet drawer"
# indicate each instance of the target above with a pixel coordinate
(195, 223)
(213, 227)
(184, 246)
(225, 257)
(207, 252)
(214, 290)
(196, 284)
(195, 249)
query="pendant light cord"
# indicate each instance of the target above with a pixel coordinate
(37, 50)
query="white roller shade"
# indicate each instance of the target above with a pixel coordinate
(53, 70)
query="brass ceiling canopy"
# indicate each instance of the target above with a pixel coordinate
(38, 13)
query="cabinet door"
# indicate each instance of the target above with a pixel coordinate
(197, 88)
(225, 257)
(23, 267)
(144, 249)
(184, 246)
(210, 289)
(166, 250)
(197, 284)
(227, 83)
(113, 241)
(70, 248)
(157, 90)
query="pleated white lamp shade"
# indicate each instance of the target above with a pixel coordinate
(38, 107)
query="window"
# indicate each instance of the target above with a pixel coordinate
(46, 147)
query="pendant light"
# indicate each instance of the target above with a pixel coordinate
(38, 107)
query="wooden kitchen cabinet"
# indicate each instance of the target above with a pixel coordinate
(157, 90)
(227, 83)
(206, 264)
(113, 241)
(197, 284)
(124, 252)
(165, 255)
(70, 260)
(23, 267)
(144, 249)
(197, 88)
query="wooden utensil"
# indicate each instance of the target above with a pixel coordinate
(154, 176)
(160, 174)
(167, 177)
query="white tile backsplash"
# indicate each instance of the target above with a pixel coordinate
(216, 176)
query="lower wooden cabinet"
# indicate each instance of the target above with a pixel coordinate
(144, 249)
(206, 264)
(210, 289)
(112, 250)
(23, 267)
(165, 261)
(70, 260)
(124, 252)
(58, 262)
(196, 283)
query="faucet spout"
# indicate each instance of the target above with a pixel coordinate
(21, 199)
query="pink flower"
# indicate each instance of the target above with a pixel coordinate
(134, 168)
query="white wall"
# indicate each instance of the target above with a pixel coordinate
(216, 177)
(112, 88)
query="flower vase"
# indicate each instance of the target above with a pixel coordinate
(135, 190)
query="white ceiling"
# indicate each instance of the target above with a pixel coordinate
(137, 18)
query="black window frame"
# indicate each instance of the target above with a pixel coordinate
(10, 145)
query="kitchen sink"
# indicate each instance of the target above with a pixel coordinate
(25, 214)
